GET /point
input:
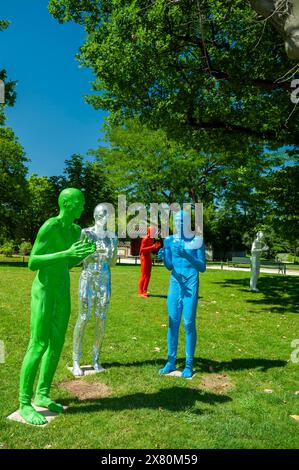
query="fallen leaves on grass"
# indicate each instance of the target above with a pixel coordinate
(268, 390)
(85, 390)
(295, 417)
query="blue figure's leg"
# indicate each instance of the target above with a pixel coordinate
(190, 302)
(175, 307)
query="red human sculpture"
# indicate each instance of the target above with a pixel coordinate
(147, 246)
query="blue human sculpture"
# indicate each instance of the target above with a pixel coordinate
(184, 255)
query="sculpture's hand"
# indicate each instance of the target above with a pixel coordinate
(161, 254)
(180, 251)
(81, 249)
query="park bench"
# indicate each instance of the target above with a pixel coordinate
(237, 260)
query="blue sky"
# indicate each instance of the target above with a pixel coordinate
(50, 116)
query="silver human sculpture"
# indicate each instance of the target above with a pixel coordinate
(95, 288)
(258, 246)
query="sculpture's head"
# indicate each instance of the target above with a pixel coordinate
(101, 214)
(259, 235)
(71, 201)
(152, 231)
(182, 222)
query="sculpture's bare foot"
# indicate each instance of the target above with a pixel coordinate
(46, 402)
(169, 367)
(77, 371)
(31, 416)
(187, 373)
(98, 368)
(254, 290)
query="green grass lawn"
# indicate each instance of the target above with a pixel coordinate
(244, 338)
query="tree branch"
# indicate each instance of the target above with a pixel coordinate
(219, 75)
(222, 125)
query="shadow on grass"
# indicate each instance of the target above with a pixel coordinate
(207, 365)
(278, 294)
(14, 264)
(163, 296)
(171, 399)
(160, 296)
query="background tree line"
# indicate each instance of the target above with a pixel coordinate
(240, 194)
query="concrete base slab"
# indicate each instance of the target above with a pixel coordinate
(87, 370)
(178, 373)
(49, 415)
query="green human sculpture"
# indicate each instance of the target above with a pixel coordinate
(56, 250)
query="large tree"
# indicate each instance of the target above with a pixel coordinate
(206, 71)
(13, 185)
(88, 176)
(40, 205)
(283, 194)
(8, 85)
(149, 167)
(234, 187)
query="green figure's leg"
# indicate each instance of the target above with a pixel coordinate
(50, 360)
(40, 326)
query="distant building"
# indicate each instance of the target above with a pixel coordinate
(124, 249)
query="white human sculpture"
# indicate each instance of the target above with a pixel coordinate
(95, 287)
(258, 246)
(284, 16)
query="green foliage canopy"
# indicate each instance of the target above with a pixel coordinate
(149, 167)
(206, 71)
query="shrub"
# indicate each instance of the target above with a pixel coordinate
(7, 248)
(287, 257)
(25, 248)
